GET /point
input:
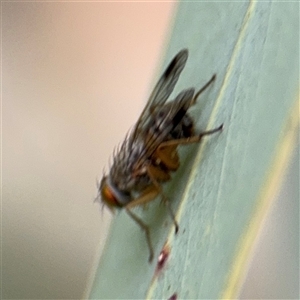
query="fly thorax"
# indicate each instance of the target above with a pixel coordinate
(122, 173)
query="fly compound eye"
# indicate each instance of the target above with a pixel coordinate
(108, 197)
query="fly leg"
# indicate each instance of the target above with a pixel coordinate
(213, 78)
(148, 195)
(172, 162)
(156, 174)
(189, 140)
(166, 201)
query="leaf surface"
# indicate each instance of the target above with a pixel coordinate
(224, 185)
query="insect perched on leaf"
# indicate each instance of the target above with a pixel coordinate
(149, 154)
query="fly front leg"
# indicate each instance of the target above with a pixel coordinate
(146, 230)
(148, 195)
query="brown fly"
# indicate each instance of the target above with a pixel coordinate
(149, 154)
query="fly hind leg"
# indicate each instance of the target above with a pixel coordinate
(190, 140)
(213, 78)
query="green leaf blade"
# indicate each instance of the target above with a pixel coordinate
(221, 189)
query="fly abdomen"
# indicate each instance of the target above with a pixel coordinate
(184, 129)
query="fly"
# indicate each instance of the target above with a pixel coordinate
(149, 155)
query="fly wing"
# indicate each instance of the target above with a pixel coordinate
(163, 122)
(162, 90)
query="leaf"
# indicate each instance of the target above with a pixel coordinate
(223, 189)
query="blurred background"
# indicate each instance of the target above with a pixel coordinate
(75, 76)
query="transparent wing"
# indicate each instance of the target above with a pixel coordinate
(163, 89)
(164, 121)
